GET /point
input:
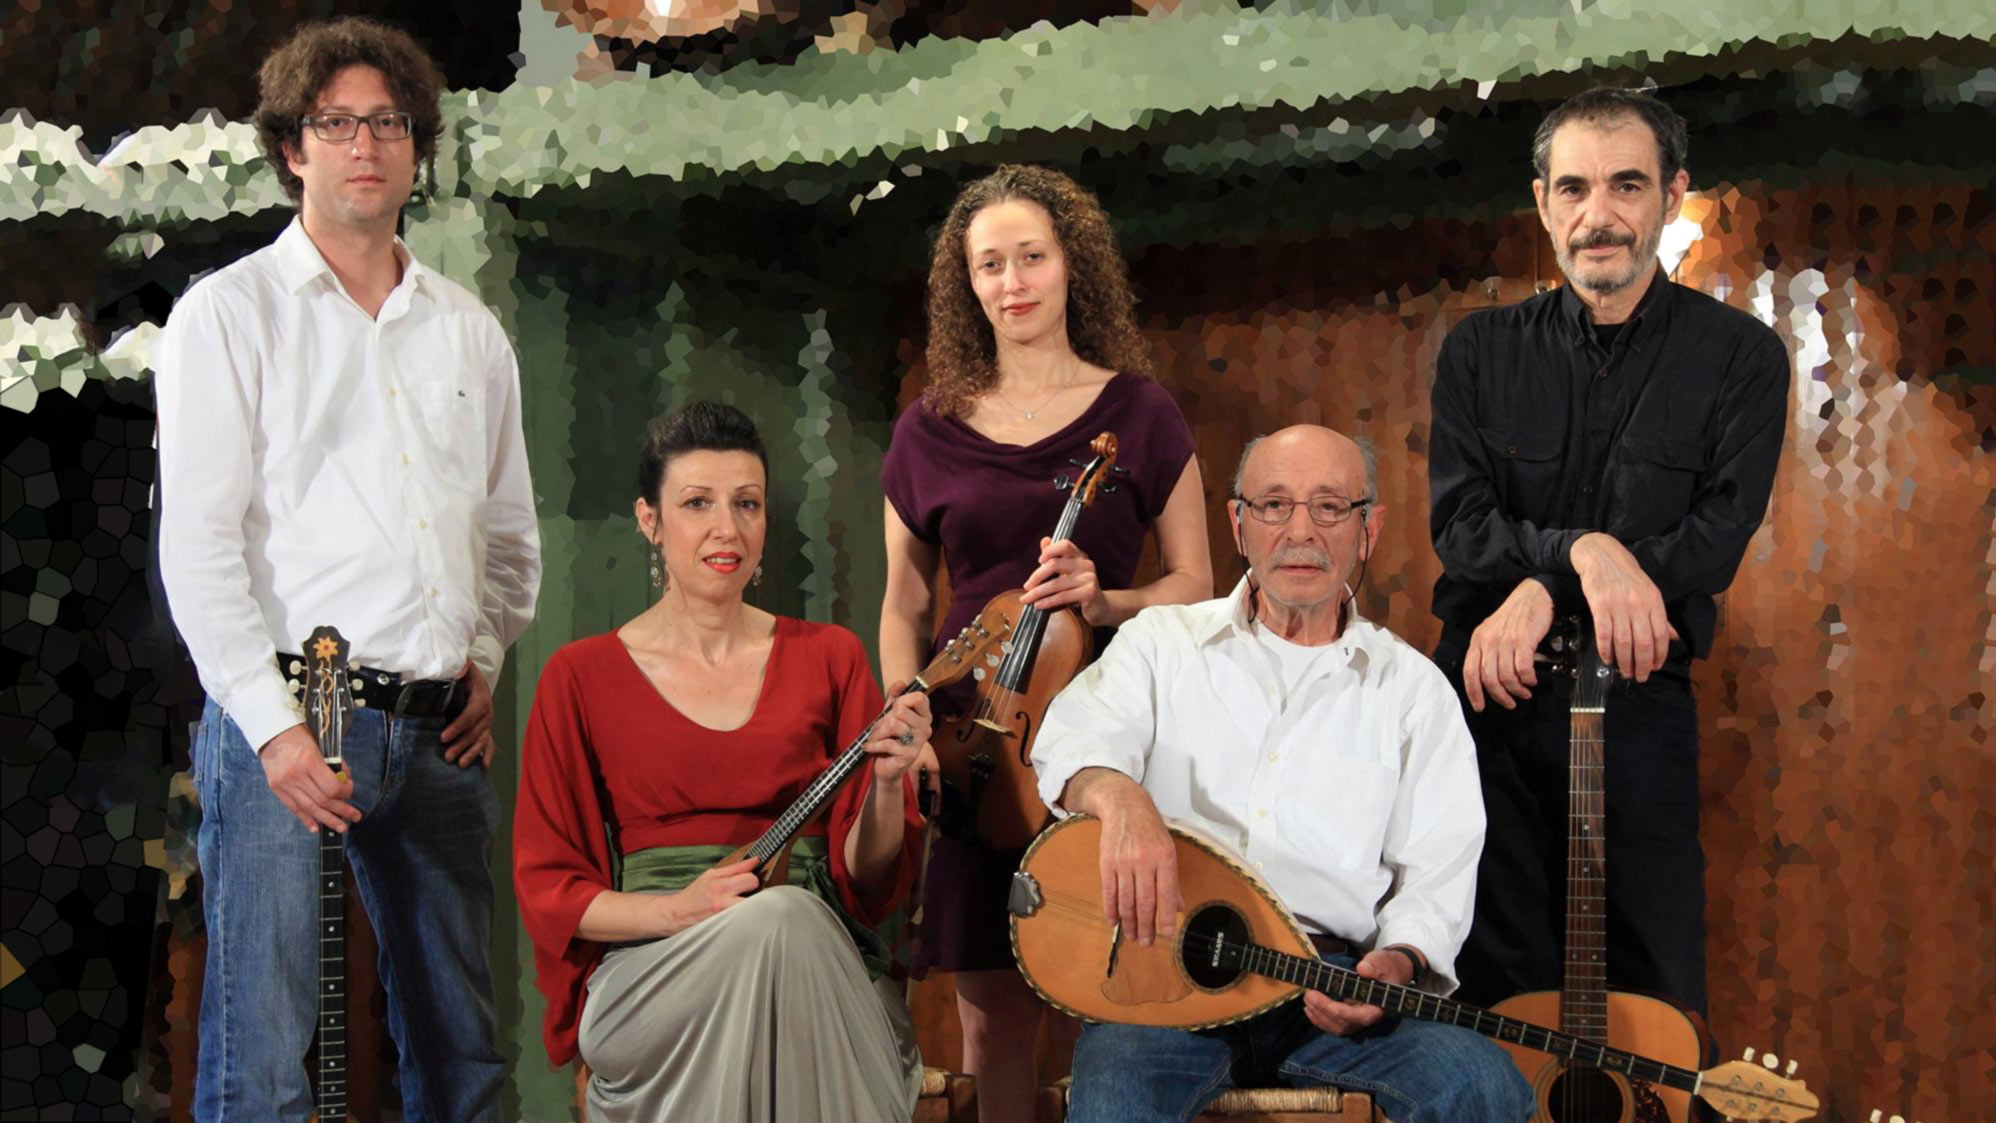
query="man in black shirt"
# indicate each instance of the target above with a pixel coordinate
(1604, 450)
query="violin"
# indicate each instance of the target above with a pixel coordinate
(986, 753)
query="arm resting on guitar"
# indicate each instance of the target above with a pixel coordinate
(1139, 862)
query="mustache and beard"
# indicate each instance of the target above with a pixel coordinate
(1597, 278)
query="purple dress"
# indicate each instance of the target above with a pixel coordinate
(988, 505)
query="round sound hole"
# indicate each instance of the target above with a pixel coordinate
(1584, 1095)
(1215, 937)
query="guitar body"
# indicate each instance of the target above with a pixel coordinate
(1238, 952)
(1637, 1023)
(1080, 962)
(986, 754)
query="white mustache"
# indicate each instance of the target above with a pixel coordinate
(1301, 555)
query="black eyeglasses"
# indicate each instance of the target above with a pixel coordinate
(338, 128)
(1325, 510)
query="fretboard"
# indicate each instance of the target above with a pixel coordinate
(1583, 996)
(1026, 634)
(1349, 986)
(332, 1072)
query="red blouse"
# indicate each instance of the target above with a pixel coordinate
(603, 746)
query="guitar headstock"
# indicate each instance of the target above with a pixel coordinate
(1752, 1093)
(328, 700)
(1572, 655)
(978, 641)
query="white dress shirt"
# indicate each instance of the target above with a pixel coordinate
(1346, 779)
(318, 467)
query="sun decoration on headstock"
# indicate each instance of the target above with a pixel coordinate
(327, 649)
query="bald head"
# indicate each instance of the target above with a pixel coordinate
(1301, 562)
(1303, 445)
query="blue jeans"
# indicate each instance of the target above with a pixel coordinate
(1417, 1072)
(421, 856)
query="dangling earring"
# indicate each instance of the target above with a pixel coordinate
(657, 571)
(756, 580)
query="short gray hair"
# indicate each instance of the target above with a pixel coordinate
(1365, 450)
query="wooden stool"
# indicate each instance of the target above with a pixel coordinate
(946, 1097)
(1252, 1105)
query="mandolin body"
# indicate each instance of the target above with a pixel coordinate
(1080, 962)
(986, 753)
(1638, 1023)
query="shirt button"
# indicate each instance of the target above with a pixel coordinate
(433, 594)
(1271, 758)
(422, 524)
(1257, 865)
(391, 391)
(1261, 814)
(405, 458)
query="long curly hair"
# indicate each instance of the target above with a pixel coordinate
(1101, 311)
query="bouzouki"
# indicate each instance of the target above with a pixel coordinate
(328, 711)
(1238, 952)
(1584, 1007)
(973, 646)
(986, 754)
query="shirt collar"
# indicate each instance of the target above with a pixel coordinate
(1649, 311)
(1232, 615)
(299, 262)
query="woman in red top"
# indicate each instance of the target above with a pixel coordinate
(654, 751)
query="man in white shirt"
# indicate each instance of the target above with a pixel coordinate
(340, 444)
(1332, 756)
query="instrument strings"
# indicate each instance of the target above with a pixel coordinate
(1032, 620)
(800, 812)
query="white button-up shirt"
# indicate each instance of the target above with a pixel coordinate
(1347, 781)
(318, 467)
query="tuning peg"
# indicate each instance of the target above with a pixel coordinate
(1898, 1119)
(1119, 470)
(1771, 1061)
(1748, 1055)
(1790, 1070)
(1062, 483)
(1876, 1115)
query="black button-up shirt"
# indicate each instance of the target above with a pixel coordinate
(1666, 438)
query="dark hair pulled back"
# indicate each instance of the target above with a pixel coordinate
(695, 427)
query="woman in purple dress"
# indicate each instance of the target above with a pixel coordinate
(1033, 350)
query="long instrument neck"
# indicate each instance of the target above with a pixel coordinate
(331, 1077)
(1349, 986)
(1018, 662)
(1583, 996)
(821, 790)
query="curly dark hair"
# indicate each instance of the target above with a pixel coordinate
(293, 76)
(1101, 311)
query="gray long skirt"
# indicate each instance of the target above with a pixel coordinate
(760, 1013)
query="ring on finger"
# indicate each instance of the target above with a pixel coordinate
(907, 737)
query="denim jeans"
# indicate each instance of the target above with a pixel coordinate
(421, 857)
(1417, 1072)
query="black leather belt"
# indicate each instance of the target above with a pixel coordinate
(381, 690)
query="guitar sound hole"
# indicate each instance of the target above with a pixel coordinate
(1211, 926)
(1584, 1095)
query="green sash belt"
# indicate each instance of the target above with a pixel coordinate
(668, 869)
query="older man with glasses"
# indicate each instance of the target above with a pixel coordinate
(340, 444)
(1332, 757)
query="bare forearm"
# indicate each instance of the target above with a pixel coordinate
(1184, 586)
(1101, 792)
(873, 846)
(614, 917)
(904, 640)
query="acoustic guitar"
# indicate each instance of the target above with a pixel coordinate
(1238, 952)
(975, 646)
(328, 712)
(1584, 1007)
(986, 754)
